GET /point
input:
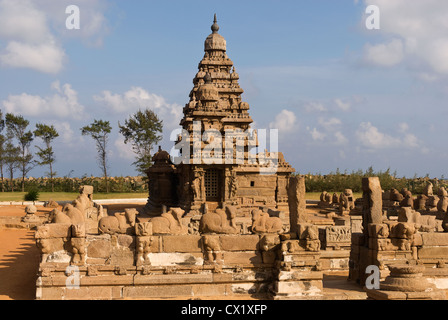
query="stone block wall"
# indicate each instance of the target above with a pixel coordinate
(78, 265)
(175, 265)
(393, 243)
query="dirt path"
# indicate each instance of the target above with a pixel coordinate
(19, 262)
(19, 258)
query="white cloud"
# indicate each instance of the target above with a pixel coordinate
(285, 121)
(330, 130)
(340, 138)
(411, 141)
(403, 127)
(66, 133)
(384, 54)
(63, 104)
(329, 124)
(21, 20)
(93, 23)
(370, 137)
(316, 135)
(138, 98)
(342, 105)
(124, 150)
(313, 106)
(30, 44)
(45, 57)
(32, 32)
(419, 35)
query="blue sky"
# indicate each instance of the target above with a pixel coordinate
(342, 96)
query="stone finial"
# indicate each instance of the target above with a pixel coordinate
(215, 27)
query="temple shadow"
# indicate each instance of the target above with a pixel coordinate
(18, 270)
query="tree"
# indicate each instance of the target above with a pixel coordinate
(143, 129)
(99, 130)
(2, 150)
(11, 159)
(47, 134)
(16, 125)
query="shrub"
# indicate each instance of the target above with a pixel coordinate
(32, 195)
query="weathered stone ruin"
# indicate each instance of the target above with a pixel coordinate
(221, 221)
(217, 166)
(129, 257)
(209, 229)
(409, 249)
(30, 215)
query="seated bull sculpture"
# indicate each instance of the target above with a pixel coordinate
(221, 222)
(121, 222)
(169, 222)
(68, 215)
(262, 222)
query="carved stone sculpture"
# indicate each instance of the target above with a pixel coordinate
(143, 229)
(30, 214)
(445, 222)
(221, 221)
(269, 241)
(408, 200)
(336, 198)
(395, 195)
(325, 200)
(169, 222)
(428, 190)
(75, 215)
(442, 205)
(420, 202)
(432, 202)
(308, 235)
(212, 249)
(68, 215)
(49, 246)
(262, 222)
(143, 248)
(346, 202)
(84, 201)
(402, 230)
(51, 204)
(121, 222)
(406, 214)
(78, 250)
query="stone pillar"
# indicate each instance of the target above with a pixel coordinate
(372, 207)
(361, 255)
(296, 202)
(299, 275)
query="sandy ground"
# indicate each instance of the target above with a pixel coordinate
(19, 258)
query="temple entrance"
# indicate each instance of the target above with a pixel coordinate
(212, 183)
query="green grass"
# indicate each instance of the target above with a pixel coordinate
(68, 196)
(316, 195)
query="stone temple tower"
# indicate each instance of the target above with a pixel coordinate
(218, 166)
